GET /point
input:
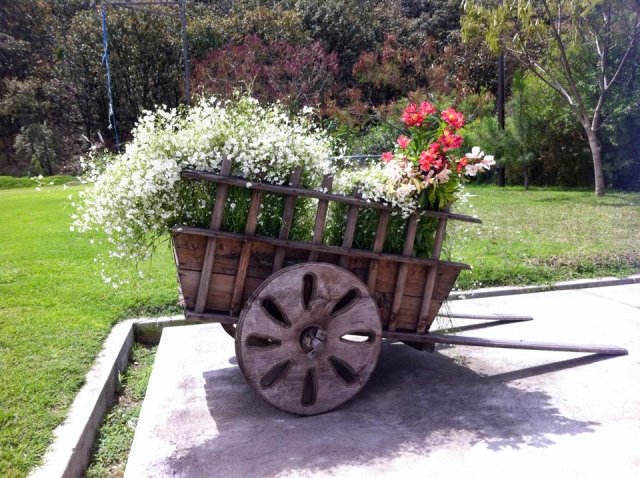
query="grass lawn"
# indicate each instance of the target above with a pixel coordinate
(11, 182)
(543, 236)
(55, 310)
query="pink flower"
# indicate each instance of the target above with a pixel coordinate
(449, 140)
(452, 117)
(387, 156)
(411, 116)
(426, 108)
(426, 160)
(403, 141)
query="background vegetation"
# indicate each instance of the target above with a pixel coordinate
(356, 61)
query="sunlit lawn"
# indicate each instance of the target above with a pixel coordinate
(55, 310)
(544, 235)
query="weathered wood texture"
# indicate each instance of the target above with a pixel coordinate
(308, 339)
(321, 218)
(311, 193)
(287, 220)
(218, 271)
(215, 223)
(189, 250)
(505, 344)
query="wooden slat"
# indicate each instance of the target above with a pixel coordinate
(287, 219)
(322, 248)
(424, 319)
(497, 317)
(243, 263)
(303, 192)
(215, 223)
(506, 344)
(321, 217)
(378, 244)
(349, 229)
(410, 236)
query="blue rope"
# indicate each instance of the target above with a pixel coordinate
(105, 61)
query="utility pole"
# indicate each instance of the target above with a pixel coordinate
(185, 52)
(500, 98)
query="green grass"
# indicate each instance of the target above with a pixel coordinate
(542, 236)
(55, 311)
(116, 433)
(12, 182)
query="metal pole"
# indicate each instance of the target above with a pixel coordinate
(105, 60)
(500, 98)
(185, 51)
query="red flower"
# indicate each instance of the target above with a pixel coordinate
(403, 141)
(411, 116)
(426, 108)
(463, 162)
(387, 156)
(434, 148)
(454, 118)
(449, 140)
(426, 160)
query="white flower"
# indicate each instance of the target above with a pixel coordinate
(488, 160)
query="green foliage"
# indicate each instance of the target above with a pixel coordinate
(145, 57)
(578, 48)
(36, 144)
(348, 27)
(112, 445)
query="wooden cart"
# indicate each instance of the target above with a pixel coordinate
(308, 318)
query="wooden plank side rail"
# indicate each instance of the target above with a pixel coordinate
(423, 317)
(322, 248)
(407, 250)
(287, 219)
(321, 217)
(505, 344)
(378, 244)
(215, 223)
(349, 229)
(245, 254)
(303, 192)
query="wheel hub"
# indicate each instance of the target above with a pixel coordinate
(312, 340)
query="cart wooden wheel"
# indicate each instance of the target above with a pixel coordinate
(309, 338)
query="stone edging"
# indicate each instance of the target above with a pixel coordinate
(529, 289)
(70, 452)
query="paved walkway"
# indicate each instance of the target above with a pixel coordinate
(461, 411)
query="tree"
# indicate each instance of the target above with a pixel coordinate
(579, 48)
(296, 75)
(36, 144)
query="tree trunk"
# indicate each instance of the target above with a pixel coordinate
(596, 156)
(526, 179)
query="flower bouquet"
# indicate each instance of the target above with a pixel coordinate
(424, 171)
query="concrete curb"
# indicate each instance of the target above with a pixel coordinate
(70, 452)
(529, 289)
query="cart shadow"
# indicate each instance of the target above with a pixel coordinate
(415, 403)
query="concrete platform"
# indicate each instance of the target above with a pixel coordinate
(457, 412)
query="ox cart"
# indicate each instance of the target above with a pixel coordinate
(308, 318)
